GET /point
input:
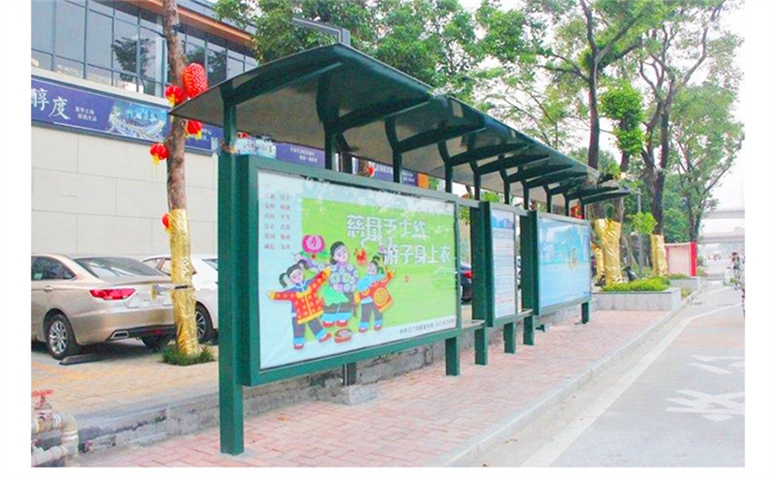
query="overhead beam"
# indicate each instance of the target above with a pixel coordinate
(484, 152)
(567, 185)
(261, 85)
(373, 113)
(511, 162)
(603, 196)
(527, 174)
(589, 192)
(554, 178)
(431, 137)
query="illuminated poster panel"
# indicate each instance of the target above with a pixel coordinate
(343, 268)
(564, 261)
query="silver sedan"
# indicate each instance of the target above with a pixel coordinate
(79, 300)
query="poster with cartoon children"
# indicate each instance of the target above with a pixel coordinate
(349, 268)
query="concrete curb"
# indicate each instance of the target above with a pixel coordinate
(481, 444)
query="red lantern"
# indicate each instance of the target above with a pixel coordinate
(194, 79)
(159, 152)
(166, 221)
(174, 94)
(194, 129)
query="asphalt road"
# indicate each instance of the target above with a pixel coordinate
(677, 401)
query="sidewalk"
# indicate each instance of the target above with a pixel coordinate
(422, 418)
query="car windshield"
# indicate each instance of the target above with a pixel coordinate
(213, 262)
(107, 267)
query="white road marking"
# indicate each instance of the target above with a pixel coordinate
(710, 368)
(713, 407)
(546, 455)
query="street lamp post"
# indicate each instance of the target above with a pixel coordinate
(342, 34)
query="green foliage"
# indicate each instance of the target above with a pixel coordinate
(652, 284)
(465, 213)
(643, 223)
(172, 356)
(678, 276)
(623, 104)
(686, 292)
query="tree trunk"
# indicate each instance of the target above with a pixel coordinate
(180, 242)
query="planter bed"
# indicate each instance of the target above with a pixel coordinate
(667, 300)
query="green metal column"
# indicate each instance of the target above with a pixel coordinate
(528, 254)
(481, 346)
(229, 367)
(452, 356)
(510, 344)
(585, 312)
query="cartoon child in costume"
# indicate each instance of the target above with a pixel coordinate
(375, 297)
(306, 307)
(341, 297)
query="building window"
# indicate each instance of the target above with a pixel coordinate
(114, 43)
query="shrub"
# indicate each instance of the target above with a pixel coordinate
(686, 292)
(678, 276)
(172, 356)
(652, 284)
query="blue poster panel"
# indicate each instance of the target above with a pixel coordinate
(564, 261)
(344, 268)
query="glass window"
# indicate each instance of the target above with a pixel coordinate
(41, 60)
(99, 36)
(150, 21)
(43, 25)
(99, 75)
(250, 62)
(213, 262)
(216, 67)
(126, 81)
(124, 47)
(44, 268)
(234, 67)
(107, 267)
(102, 6)
(69, 31)
(127, 12)
(151, 48)
(69, 67)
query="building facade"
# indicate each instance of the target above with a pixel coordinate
(99, 69)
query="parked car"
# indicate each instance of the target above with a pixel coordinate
(465, 276)
(205, 281)
(80, 300)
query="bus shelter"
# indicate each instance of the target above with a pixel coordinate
(320, 269)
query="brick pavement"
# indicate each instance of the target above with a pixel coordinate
(416, 418)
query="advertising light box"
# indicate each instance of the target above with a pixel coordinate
(564, 261)
(344, 268)
(502, 224)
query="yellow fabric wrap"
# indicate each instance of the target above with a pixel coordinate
(658, 252)
(182, 270)
(599, 262)
(610, 244)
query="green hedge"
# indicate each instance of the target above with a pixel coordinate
(653, 284)
(679, 276)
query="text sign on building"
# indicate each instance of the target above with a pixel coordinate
(502, 226)
(344, 268)
(564, 261)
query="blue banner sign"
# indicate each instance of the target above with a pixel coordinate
(56, 104)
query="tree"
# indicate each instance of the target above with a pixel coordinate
(689, 42)
(588, 38)
(180, 248)
(707, 141)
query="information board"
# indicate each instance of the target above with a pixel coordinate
(564, 261)
(343, 268)
(502, 224)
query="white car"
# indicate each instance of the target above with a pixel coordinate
(205, 281)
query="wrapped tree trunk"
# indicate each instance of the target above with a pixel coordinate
(180, 243)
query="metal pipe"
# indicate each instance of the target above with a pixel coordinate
(68, 447)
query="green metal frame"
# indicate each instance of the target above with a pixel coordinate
(584, 300)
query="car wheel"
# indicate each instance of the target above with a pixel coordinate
(60, 340)
(204, 323)
(156, 342)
